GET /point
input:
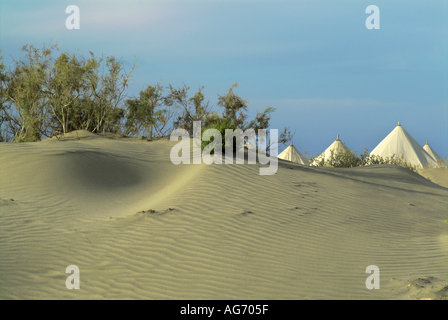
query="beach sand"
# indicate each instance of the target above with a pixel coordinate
(217, 231)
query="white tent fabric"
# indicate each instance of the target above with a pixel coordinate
(399, 142)
(291, 154)
(337, 146)
(432, 153)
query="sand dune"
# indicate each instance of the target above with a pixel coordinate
(439, 176)
(304, 233)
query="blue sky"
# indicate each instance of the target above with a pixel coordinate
(314, 61)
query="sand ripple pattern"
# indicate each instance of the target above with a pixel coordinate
(304, 233)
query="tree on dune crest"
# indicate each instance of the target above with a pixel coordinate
(190, 109)
(24, 84)
(4, 118)
(44, 95)
(149, 114)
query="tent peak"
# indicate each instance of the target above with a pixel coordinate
(293, 155)
(400, 142)
(337, 138)
(432, 153)
(399, 124)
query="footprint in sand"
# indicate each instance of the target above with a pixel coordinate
(153, 211)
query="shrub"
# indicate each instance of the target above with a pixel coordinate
(394, 159)
(346, 159)
(443, 163)
(234, 115)
(221, 125)
(349, 159)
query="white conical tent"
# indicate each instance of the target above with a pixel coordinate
(337, 146)
(291, 154)
(432, 153)
(399, 142)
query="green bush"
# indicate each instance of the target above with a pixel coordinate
(346, 159)
(394, 159)
(349, 159)
(221, 125)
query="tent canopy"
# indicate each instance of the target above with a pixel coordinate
(337, 146)
(292, 154)
(432, 153)
(400, 142)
